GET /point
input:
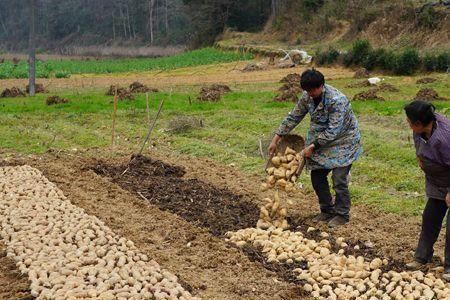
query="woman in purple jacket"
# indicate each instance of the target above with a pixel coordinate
(431, 133)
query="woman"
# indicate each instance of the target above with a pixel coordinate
(431, 132)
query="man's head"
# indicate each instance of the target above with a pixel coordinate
(312, 82)
(420, 115)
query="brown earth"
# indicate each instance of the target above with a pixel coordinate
(122, 93)
(359, 84)
(290, 90)
(12, 92)
(178, 80)
(428, 94)
(426, 80)
(212, 267)
(137, 87)
(13, 285)
(251, 67)
(39, 88)
(368, 95)
(361, 73)
(213, 93)
(56, 100)
(387, 88)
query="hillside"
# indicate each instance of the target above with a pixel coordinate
(320, 24)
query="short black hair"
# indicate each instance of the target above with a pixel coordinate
(311, 79)
(420, 111)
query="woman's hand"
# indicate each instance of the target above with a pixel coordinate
(447, 200)
(420, 162)
(308, 151)
(274, 144)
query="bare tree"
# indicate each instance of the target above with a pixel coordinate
(151, 4)
(32, 40)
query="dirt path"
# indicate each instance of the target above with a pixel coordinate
(177, 79)
(13, 286)
(214, 269)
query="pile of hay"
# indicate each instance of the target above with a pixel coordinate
(429, 95)
(12, 92)
(213, 93)
(56, 100)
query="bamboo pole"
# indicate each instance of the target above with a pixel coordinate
(114, 119)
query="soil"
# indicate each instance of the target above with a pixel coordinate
(290, 90)
(12, 92)
(387, 88)
(137, 87)
(251, 67)
(362, 73)
(426, 80)
(291, 79)
(368, 95)
(213, 93)
(56, 100)
(38, 88)
(359, 84)
(217, 210)
(122, 93)
(429, 95)
(13, 285)
(212, 267)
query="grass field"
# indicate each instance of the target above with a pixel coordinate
(386, 176)
(65, 68)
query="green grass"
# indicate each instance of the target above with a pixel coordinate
(386, 176)
(64, 68)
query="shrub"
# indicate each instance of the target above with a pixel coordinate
(429, 62)
(429, 18)
(443, 62)
(360, 50)
(407, 62)
(327, 57)
(347, 59)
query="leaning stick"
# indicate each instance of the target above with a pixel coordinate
(114, 118)
(147, 109)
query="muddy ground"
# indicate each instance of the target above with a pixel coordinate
(155, 204)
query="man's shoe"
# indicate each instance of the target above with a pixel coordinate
(337, 221)
(416, 265)
(322, 217)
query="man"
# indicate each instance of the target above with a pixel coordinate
(332, 145)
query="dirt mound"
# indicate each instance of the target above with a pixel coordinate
(428, 94)
(137, 87)
(251, 67)
(38, 88)
(213, 93)
(112, 90)
(12, 92)
(386, 87)
(359, 84)
(292, 79)
(288, 94)
(368, 95)
(122, 93)
(217, 210)
(56, 100)
(426, 80)
(361, 73)
(290, 90)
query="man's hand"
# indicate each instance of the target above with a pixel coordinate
(447, 200)
(273, 145)
(308, 151)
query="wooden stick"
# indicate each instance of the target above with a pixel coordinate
(151, 127)
(147, 109)
(114, 118)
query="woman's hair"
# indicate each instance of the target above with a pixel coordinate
(420, 111)
(311, 79)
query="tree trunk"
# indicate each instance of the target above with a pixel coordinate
(166, 17)
(113, 26)
(150, 20)
(274, 8)
(32, 46)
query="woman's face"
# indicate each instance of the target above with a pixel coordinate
(416, 127)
